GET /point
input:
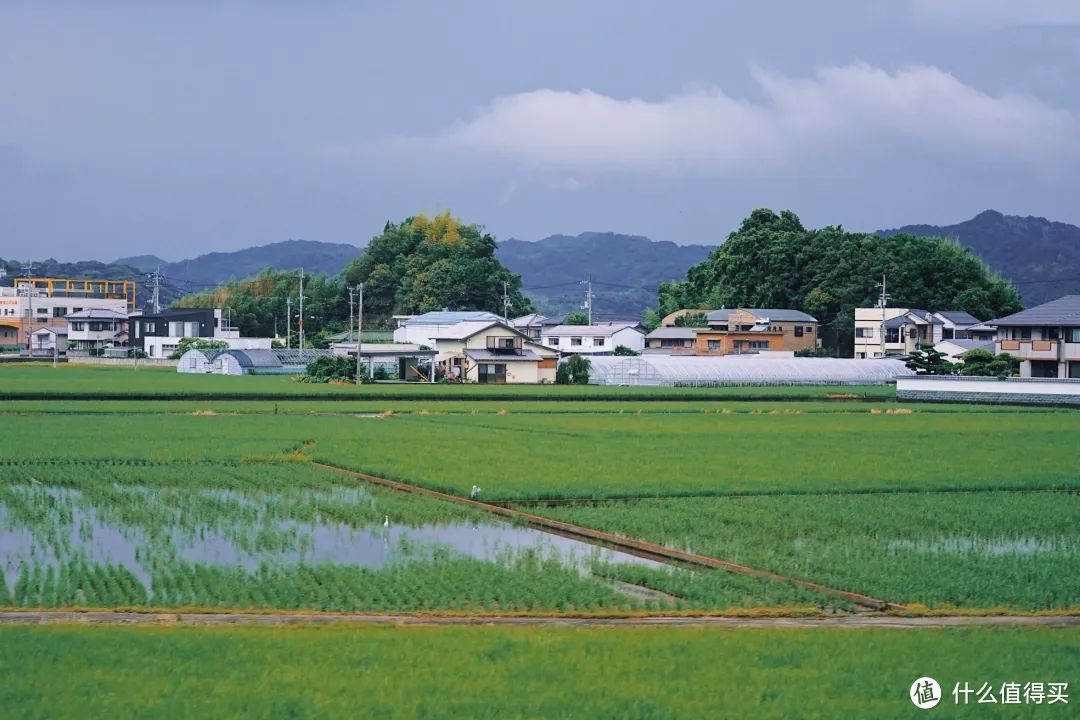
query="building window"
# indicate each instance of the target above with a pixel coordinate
(1072, 335)
(491, 373)
(598, 342)
(946, 333)
(553, 340)
(714, 345)
(1074, 370)
(864, 332)
(759, 344)
(798, 331)
(193, 363)
(892, 335)
(575, 342)
(59, 312)
(809, 329)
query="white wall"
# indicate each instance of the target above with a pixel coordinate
(157, 347)
(1012, 386)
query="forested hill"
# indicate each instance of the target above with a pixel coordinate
(625, 269)
(208, 270)
(1041, 257)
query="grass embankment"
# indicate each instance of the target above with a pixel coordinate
(60, 672)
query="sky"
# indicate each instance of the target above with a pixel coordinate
(189, 127)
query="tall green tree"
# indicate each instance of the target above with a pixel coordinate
(773, 261)
(424, 264)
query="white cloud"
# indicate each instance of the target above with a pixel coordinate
(840, 113)
(998, 13)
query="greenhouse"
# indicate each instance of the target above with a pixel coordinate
(691, 371)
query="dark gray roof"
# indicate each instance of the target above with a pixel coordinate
(773, 314)
(913, 317)
(1063, 311)
(959, 317)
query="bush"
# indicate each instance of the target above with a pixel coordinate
(341, 368)
(983, 363)
(573, 371)
(192, 343)
(624, 351)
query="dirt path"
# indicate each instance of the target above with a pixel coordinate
(648, 550)
(45, 617)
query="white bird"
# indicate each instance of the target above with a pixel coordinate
(386, 521)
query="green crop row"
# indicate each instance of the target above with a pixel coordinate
(66, 672)
(988, 549)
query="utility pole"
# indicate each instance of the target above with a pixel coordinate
(28, 272)
(288, 322)
(301, 316)
(883, 300)
(351, 290)
(588, 297)
(360, 327)
(155, 285)
(506, 300)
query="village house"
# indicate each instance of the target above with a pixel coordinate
(904, 330)
(493, 353)
(159, 334)
(423, 329)
(1046, 338)
(594, 339)
(96, 329)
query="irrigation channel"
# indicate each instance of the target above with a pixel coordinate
(639, 548)
(44, 617)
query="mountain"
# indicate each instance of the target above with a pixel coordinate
(625, 270)
(211, 269)
(200, 272)
(1041, 257)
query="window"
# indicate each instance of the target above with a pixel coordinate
(193, 363)
(553, 340)
(759, 344)
(809, 329)
(864, 332)
(946, 333)
(138, 330)
(1050, 333)
(798, 331)
(892, 335)
(1074, 370)
(575, 342)
(598, 342)
(59, 312)
(714, 344)
(1072, 335)
(491, 373)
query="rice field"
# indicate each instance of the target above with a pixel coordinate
(1019, 551)
(289, 536)
(59, 672)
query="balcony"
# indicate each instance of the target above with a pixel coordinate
(1029, 349)
(507, 345)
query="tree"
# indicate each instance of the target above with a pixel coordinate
(772, 261)
(624, 351)
(928, 361)
(327, 368)
(980, 362)
(573, 371)
(692, 320)
(576, 318)
(192, 343)
(424, 264)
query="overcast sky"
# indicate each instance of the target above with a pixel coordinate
(129, 128)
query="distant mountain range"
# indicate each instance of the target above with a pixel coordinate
(625, 270)
(1040, 256)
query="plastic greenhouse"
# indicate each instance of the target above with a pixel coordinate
(690, 371)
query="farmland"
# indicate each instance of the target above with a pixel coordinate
(218, 502)
(343, 672)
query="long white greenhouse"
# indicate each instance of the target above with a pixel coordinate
(742, 370)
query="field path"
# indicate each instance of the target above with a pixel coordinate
(641, 548)
(44, 617)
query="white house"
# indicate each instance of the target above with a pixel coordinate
(96, 329)
(954, 349)
(47, 341)
(594, 339)
(493, 353)
(422, 329)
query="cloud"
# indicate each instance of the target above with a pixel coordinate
(839, 113)
(998, 13)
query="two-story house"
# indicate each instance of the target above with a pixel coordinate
(159, 334)
(96, 329)
(493, 353)
(884, 332)
(1046, 338)
(756, 330)
(599, 339)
